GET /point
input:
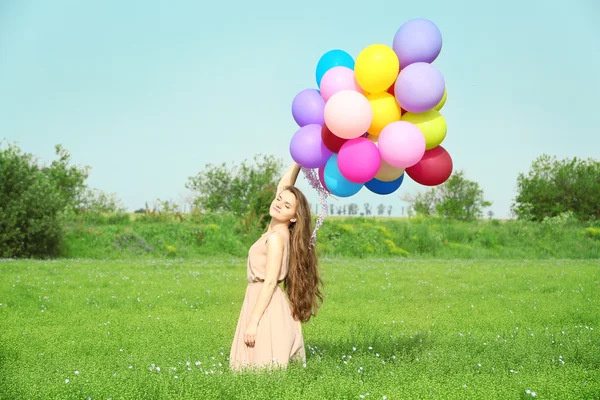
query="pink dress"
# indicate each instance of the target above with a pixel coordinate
(278, 335)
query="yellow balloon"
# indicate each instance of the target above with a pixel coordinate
(431, 123)
(376, 68)
(442, 102)
(385, 110)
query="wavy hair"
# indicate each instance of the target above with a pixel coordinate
(303, 282)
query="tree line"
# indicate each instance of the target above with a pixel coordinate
(35, 198)
(353, 209)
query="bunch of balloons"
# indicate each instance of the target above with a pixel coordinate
(375, 118)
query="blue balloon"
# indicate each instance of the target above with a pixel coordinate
(333, 58)
(335, 181)
(379, 187)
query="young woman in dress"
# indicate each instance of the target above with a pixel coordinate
(269, 331)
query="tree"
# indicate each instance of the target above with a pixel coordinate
(31, 201)
(241, 190)
(553, 187)
(69, 180)
(461, 198)
(423, 203)
(367, 209)
(98, 201)
(457, 198)
(389, 210)
(380, 209)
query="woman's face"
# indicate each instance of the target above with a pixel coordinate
(283, 207)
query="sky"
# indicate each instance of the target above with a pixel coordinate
(148, 92)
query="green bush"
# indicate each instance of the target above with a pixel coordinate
(30, 204)
(555, 186)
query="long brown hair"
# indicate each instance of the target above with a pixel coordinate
(303, 282)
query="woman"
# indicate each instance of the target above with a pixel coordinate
(269, 331)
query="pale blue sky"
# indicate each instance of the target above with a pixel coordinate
(148, 92)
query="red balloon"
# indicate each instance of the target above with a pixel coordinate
(434, 168)
(330, 140)
(391, 90)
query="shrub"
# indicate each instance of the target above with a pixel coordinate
(30, 204)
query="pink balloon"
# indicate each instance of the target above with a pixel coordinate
(348, 114)
(338, 79)
(401, 144)
(359, 160)
(322, 177)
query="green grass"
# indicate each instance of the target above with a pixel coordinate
(198, 236)
(396, 328)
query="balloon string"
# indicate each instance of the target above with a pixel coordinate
(314, 181)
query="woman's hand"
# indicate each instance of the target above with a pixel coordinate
(250, 334)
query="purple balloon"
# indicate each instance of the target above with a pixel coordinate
(417, 40)
(307, 147)
(308, 108)
(419, 87)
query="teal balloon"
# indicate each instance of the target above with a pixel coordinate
(333, 58)
(379, 187)
(335, 181)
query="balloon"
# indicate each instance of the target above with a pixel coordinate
(330, 140)
(391, 89)
(417, 40)
(348, 114)
(338, 79)
(432, 124)
(333, 58)
(388, 173)
(378, 187)
(401, 144)
(307, 148)
(335, 181)
(322, 177)
(393, 85)
(376, 68)
(419, 87)
(434, 168)
(385, 110)
(308, 108)
(372, 138)
(442, 101)
(359, 160)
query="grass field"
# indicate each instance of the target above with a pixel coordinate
(216, 235)
(389, 329)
